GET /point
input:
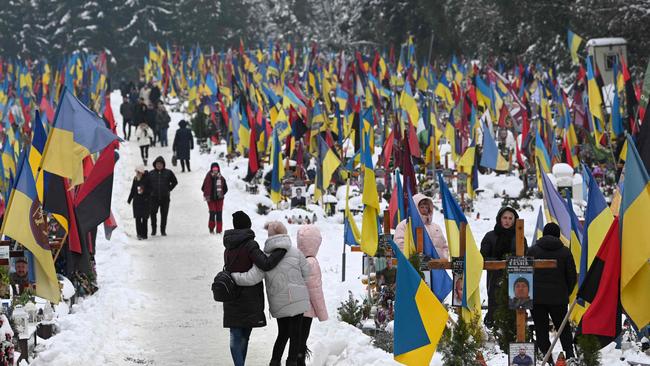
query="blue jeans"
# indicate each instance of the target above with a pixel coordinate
(239, 344)
(163, 136)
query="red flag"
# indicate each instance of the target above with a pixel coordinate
(388, 149)
(253, 165)
(414, 145)
(108, 115)
(93, 201)
(46, 108)
(601, 286)
(393, 206)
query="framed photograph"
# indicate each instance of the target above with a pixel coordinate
(298, 197)
(521, 354)
(458, 281)
(461, 183)
(520, 282)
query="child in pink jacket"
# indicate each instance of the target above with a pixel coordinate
(309, 240)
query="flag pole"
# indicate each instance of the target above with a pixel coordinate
(65, 237)
(559, 331)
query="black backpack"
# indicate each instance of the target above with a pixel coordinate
(224, 288)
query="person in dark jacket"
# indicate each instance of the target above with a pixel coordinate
(214, 189)
(162, 122)
(126, 110)
(551, 288)
(497, 245)
(139, 112)
(140, 192)
(162, 182)
(247, 311)
(183, 143)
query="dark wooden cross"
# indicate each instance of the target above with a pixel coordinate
(498, 265)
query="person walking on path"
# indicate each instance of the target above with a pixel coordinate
(183, 143)
(162, 123)
(286, 290)
(126, 110)
(162, 182)
(247, 311)
(214, 189)
(144, 136)
(309, 240)
(552, 288)
(497, 245)
(140, 192)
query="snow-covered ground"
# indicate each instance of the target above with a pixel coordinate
(155, 307)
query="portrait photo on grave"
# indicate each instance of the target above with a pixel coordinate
(297, 197)
(520, 283)
(459, 281)
(521, 354)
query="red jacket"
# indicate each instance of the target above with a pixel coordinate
(208, 184)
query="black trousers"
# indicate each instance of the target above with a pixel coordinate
(185, 162)
(304, 335)
(289, 328)
(144, 152)
(126, 129)
(163, 204)
(557, 313)
(141, 226)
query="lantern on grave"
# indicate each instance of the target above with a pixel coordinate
(20, 318)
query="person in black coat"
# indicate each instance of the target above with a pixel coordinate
(183, 143)
(126, 110)
(551, 288)
(139, 195)
(498, 244)
(139, 112)
(162, 182)
(247, 311)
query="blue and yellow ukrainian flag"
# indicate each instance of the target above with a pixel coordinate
(635, 239)
(8, 159)
(25, 222)
(369, 227)
(409, 105)
(473, 264)
(595, 102)
(598, 219)
(574, 41)
(420, 318)
(351, 234)
(328, 162)
(76, 133)
(555, 209)
(542, 158)
(278, 169)
(36, 153)
(491, 157)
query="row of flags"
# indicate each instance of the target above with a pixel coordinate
(279, 101)
(47, 160)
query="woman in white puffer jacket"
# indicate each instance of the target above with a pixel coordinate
(286, 290)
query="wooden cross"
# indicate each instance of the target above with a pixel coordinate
(498, 265)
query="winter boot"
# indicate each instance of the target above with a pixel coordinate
(211, 226)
